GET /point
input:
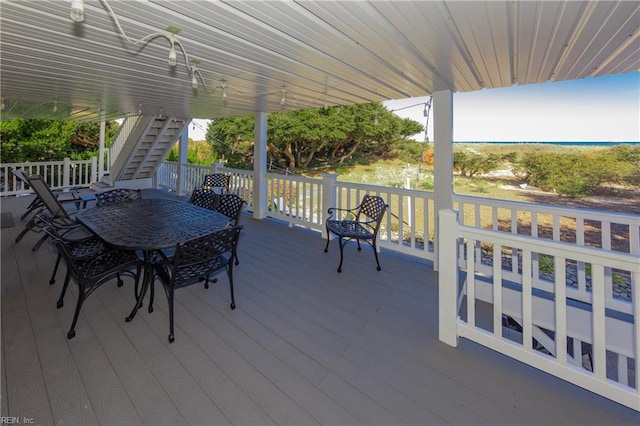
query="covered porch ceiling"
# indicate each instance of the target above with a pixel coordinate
(285, 55)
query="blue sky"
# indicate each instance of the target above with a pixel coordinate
(592, 109)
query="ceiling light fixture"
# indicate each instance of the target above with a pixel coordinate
(77, 10)
(77, 6)
(173, 57)
(194, 70)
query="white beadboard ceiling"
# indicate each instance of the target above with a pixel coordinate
(338, 52)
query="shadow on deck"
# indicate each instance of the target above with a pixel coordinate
(305, 345)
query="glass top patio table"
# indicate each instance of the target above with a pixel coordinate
(150, 224)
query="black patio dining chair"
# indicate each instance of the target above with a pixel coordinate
(361, 223)
(90, 269)
(216, 182)
(81, 242)
(194, 261)
(204, 199)
(230, 205)
(51, 206)
(117, 195)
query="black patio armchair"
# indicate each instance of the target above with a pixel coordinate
(361, 223)
(195, 261)
(216, 182)
(231, 205)
(91, 268)
(205, 199)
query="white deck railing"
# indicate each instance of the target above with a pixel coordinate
(583, 334)
(58, 174)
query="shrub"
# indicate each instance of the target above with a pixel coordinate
(571, 174)
(468, 164)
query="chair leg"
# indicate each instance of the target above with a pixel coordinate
(230, 275)
(40, 242)
(52, 280)
(375, 252)
(72, 331)
(326, 247)
(67, 278)
(170, 298)
(341, 244)
(235, 256)
(28, 227)
(152, 295)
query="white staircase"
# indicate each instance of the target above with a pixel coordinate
(138, 150)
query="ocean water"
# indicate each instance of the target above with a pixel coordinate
(565, 143)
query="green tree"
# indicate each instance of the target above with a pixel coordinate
(44, 140)
(315, 137)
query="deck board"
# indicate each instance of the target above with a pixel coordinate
(305, 345)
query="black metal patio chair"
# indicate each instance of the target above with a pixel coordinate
(216, 182)
(194, 261)
(91, 269)
(81, 242)
(361, 223)
(117, 195)
(204, 199)
(231, 205)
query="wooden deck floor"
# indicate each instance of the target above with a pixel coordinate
(305, 345)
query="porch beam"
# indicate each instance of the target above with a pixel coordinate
(260, 166)
(101, 147)
(183, 151)
(443, 160)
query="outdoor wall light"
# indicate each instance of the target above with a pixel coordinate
(194, 70)
(224, 92)
(173, 57)
(282, 99)
(77, 10)
(77, 14)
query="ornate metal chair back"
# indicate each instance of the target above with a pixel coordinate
(117, 196)
(230, 205)
(217, 182)
(204, 199)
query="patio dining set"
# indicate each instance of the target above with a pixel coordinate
(157, 239)
(148, 240)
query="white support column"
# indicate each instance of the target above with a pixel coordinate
(66, 173)
(443, 160)
(183, 150)
(448, 280)
(101, 146)
(260, 166)
(94, 173)
(329, 197)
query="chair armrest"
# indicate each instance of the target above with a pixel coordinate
(337, 210)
